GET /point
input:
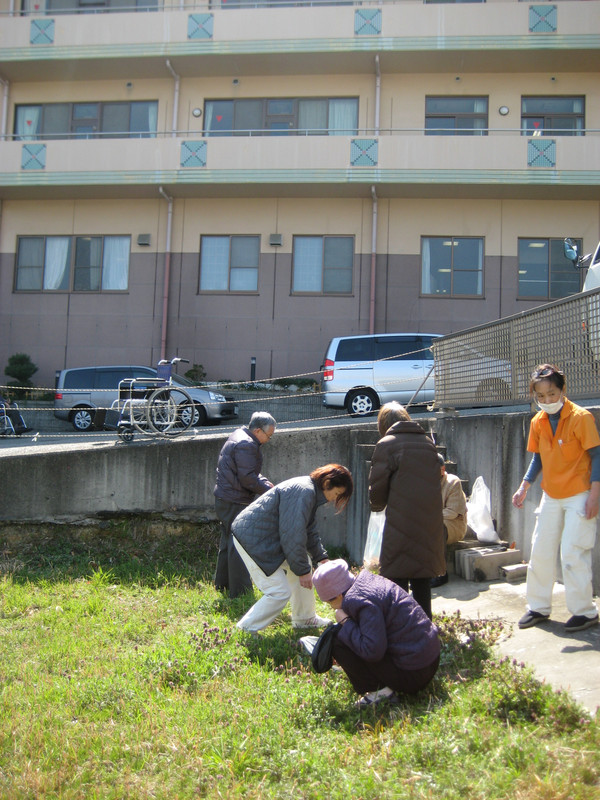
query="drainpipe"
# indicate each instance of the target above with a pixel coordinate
(373, 263)
(377, 94)
(175, 98)
(374, 198)
(4, 121)
(167, 279)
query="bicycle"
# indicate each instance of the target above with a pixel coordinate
(153, 406)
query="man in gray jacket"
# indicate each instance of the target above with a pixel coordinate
(239, 481)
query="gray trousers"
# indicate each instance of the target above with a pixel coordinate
(231, 573)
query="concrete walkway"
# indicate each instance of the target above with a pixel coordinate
(569, 661)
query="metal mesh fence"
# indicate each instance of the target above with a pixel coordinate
(492, 364)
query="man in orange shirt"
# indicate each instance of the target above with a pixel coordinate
(565, 443)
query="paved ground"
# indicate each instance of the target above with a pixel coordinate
(568, 661)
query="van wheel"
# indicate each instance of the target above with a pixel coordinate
(492, 390)
(82, 419)
(361, 402)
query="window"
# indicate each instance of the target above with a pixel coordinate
(72, 263)
(323, 264)
(451, 265)
(544, 272)
(229, 263)
(553, 116)
(456, 116)
(86, 120)
(282, 117)
(82, 6)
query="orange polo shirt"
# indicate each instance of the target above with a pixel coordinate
(565, 463)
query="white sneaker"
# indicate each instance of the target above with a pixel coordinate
(313, 622)
(372, 698)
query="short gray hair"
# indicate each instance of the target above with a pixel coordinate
(262, 420)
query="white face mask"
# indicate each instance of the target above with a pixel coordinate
(552, 408)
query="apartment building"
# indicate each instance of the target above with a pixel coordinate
(241, 179)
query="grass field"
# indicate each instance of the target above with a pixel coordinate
(122, 675)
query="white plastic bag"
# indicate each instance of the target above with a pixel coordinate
(479, 513)
(374, 534)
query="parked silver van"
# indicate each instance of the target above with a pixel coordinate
(82, 390)
(360, 373)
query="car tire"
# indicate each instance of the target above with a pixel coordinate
(199, 416)
(361, 403)
(82, 419)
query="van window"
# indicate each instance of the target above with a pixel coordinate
(427, 352)
(355, 350)
(405, 348)
(79, 379)
(109, 378)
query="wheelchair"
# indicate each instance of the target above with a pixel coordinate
(7, 423)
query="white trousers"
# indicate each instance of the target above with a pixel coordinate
(561, 525)
(279, 588)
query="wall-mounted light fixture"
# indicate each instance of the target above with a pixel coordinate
(503, 110)
(457, 78)
(143, 239)
(236, 81)
(129, 85)
(553, 78)
(196, 112)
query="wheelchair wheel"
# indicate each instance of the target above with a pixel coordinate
(167, 411)
(125, 435)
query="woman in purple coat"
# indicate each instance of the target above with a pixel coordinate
(387, 644)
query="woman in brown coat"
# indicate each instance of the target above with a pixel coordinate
(405, 480)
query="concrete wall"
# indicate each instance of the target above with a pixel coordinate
(65, 484)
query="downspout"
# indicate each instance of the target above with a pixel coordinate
(175, 98)
(373, 262)
(167, 277)
(4, 122)
(374, 199)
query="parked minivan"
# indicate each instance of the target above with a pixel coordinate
(82, 390)
(361, 373)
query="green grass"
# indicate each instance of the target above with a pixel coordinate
(122, 675)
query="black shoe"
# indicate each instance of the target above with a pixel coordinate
(19, 431)
(532, 618)
(580, 623)
(439, 581)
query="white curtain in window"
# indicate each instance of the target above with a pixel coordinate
(312, 116)
(308, 264)
(57, 265)
(342, 117)
(426, 268)
(480, 265)
(28, 121)
(115, 262)
(152, 117)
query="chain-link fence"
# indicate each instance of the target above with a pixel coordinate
(492, 364)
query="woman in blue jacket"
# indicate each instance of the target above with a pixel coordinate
(277, 539)
(387, 643)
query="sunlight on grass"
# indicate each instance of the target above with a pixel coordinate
(128, 679)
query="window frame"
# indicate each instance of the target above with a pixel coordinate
(548, 130)
(480, 272)
(457, 115)
(290, 118)
(70, 264)
(323, 267)
(231, 237)
(96, 121)
(558, 241)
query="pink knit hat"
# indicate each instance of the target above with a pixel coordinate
(332, 578)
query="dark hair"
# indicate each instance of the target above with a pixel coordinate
(389, 413)
(547, 372)
(334, 475)
(441, 459)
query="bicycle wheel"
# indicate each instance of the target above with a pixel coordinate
(166, 411)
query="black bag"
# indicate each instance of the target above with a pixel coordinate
(322, 654)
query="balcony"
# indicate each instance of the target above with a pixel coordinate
(400, 163)
(489, 37)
